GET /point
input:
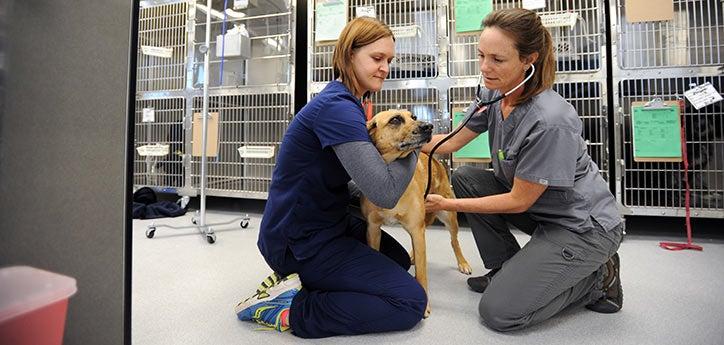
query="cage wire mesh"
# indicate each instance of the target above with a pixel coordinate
(694, 37)
(422, 103)
(414, 24)
(587, 99)
(576, 27)
(268, 24)
(162, 47)
(258, 120)
(165, 133)
(661, 184)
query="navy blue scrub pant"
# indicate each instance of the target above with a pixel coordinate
(349, 288)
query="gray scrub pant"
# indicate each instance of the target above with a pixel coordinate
(556, 269)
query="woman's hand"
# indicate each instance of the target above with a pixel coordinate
(435, 202)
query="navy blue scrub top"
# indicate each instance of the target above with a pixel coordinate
(308, 198)
(541, 141)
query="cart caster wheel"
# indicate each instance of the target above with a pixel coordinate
(150, 232)
(211, 239)
(193, 220)
(244, 224)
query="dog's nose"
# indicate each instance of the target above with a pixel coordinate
(423, 127)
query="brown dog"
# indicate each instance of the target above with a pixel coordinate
(396, 133)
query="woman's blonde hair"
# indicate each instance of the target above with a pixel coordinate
(356, 34)
(530, 36)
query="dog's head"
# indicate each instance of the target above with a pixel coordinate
(397, 132)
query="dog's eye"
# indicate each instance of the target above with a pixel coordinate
(414, 117)
(396, 120)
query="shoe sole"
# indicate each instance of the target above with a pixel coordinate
(274, 292)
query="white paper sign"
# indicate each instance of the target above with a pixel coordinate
(534, 4)
(149, 115)
(559, 19)
(157, 51)
(405, 31)
(703, 95)
(256, 151)
(365, 11)
(155, 150)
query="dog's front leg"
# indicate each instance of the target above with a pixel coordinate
(417, 233)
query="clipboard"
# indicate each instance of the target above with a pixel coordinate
(469, 15)
(330, 18)
(477, 150)
(212, 135)
(656, 131)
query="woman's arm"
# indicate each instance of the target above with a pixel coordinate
(382, 183)
(455, 143)
(521, 197)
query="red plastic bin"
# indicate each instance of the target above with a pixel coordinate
(33, 305)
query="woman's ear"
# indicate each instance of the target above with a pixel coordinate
(532, 58)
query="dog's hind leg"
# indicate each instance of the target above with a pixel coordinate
(450, 220)
(374, 233)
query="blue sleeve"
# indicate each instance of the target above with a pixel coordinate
(340, 120)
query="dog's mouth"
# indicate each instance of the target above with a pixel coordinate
(416, 142)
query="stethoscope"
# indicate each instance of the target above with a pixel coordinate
(472, 110)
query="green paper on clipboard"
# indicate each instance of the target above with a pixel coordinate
(656, 131)
(478, 148)
(469, 14)
(330, 17)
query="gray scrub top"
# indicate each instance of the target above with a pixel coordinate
(541, 142)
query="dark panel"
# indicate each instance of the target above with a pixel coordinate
(62, 153)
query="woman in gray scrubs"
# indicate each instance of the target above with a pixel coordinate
(543, 182)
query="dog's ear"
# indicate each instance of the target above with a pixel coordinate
(371, 124)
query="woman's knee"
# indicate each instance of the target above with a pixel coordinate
(418, 299)
(462, 173)
(498, 315)
(469, 181)
(461, 179)
(411, 307)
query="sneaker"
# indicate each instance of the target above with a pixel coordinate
(479, 284)
(244, 310)
(612, 300)
(268, 282)
(272, 314)
(261, 292)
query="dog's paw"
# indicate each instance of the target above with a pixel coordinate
(464, 268)
(427, 311)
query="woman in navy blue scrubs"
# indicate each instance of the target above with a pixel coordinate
(334, 283)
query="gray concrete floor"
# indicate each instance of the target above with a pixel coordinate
(184, 290)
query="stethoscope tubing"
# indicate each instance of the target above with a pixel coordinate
(478, 107)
